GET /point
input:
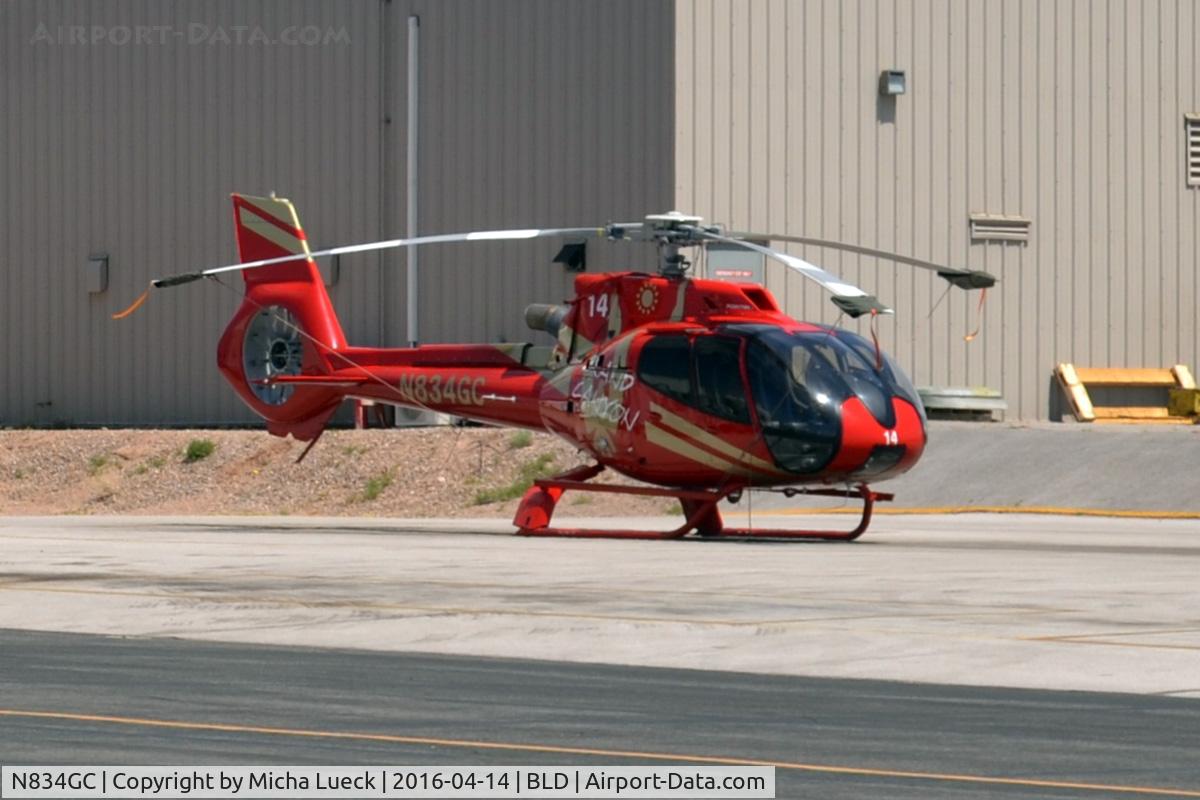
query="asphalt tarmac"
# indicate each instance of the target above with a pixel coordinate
(1093, 604)
(868, 669)
(107, 700)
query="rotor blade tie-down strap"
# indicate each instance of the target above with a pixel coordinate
(136, 304)
(979, 323)
(875, 338)
(158, 283)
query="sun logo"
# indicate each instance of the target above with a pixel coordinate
(647, 298)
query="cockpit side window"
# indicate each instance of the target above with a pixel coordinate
(719, 388)
(664, 365)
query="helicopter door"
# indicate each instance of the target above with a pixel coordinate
(720, 392)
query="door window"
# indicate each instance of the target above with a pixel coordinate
(719, 389)
(663, 365)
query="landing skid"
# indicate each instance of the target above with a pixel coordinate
(699, 508)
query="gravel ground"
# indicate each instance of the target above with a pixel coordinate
(395, 473)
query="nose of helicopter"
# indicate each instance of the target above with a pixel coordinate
(873, 451)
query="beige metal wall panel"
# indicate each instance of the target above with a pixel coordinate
(127, 125)
(533, 113)
(1069, 113)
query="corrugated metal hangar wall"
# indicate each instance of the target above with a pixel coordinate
(127, 124)
(1067, 113)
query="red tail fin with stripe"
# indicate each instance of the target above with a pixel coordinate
(286, 324)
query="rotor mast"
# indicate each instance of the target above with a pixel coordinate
(673, 231)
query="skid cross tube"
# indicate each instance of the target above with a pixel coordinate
(700, 509)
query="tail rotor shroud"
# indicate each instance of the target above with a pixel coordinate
(272, 346)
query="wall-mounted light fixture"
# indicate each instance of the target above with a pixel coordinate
(892, 82)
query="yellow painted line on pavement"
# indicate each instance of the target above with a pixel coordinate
(1045, 510)
(430, 741)
(1100, 640)
(1118, 634)
(1139, 645)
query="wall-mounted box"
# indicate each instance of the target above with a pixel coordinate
(95, 276)
(893, 82)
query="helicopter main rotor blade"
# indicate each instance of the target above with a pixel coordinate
(848, 297)
(962, 278)
(609, 231)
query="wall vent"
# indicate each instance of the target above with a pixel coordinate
(1191, 135)
(999, 227)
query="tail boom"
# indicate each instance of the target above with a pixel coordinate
(286, 356)
(477, 382)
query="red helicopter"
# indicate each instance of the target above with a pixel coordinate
(700, 388)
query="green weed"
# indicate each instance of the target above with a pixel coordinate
(376, 485)
(519, 440)
(540, 467)
(198, 450)
(154, 462)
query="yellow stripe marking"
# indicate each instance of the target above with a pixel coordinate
(1136, 645)
(277, 207)
(1117, 634)
(1044, 510)
(676, 444)
(596, 751)
(715, 442)
(292, 219)
(271, 232)
(680, 301)
(1105, 639)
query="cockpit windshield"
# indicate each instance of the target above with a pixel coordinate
(799, 382)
